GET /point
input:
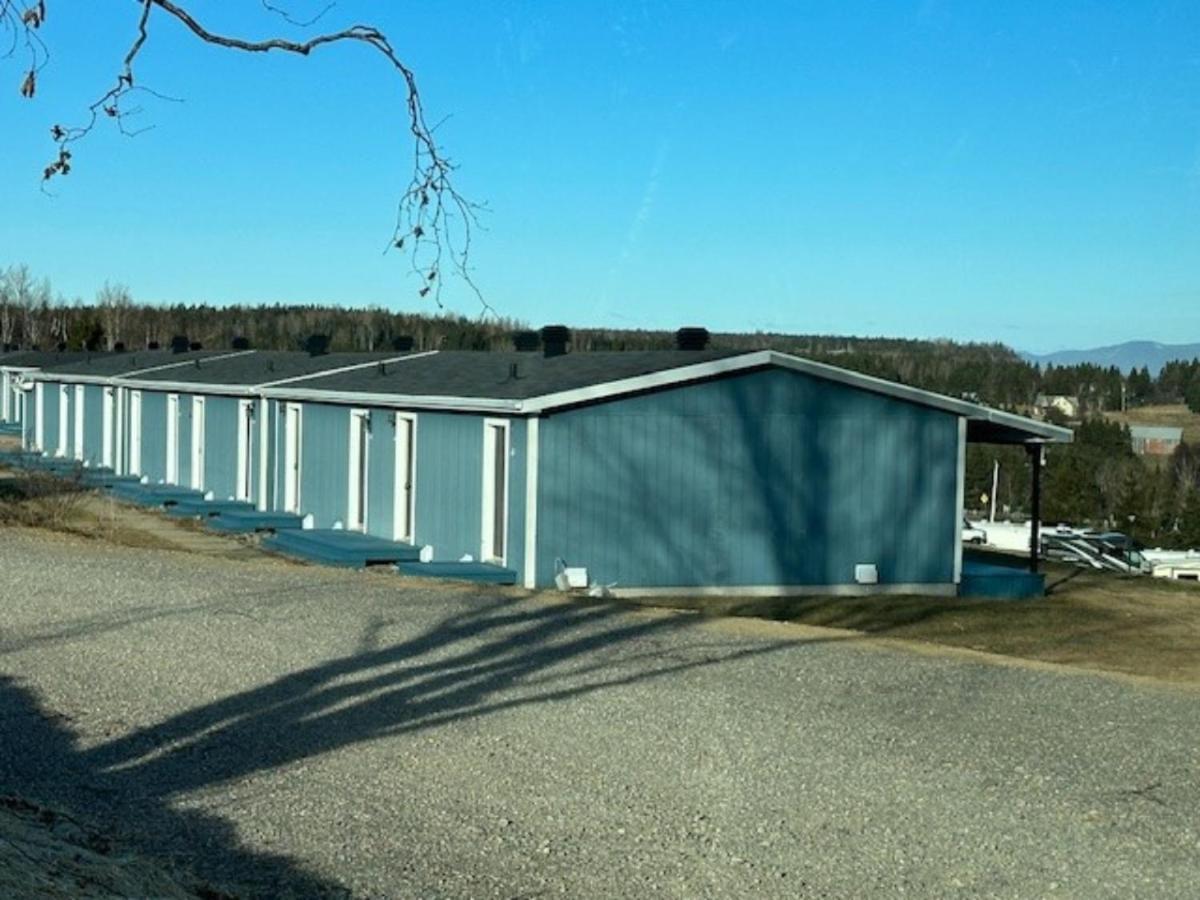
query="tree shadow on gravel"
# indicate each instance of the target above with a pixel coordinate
(501, 654)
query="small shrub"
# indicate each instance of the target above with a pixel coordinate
(42, 500)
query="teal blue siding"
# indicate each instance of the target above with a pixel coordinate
(154, 435)
(68, 443)
(93, 424)
(220, 446)
(515, 540)
(324, 461)
(381, 474)
(271, 449)
(449, 484)
(769, 478)
(50, 411)
(184, 448)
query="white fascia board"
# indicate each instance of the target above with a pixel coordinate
(1043, 430)
(665, 378)
(765, 358)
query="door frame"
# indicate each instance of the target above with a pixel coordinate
(77, 437)
(64, 419)
(492, 427)
(196, 471)
(243, 489)
(405, 465)
(264, 446)
(359, 476)
(108, 415)
(39, 416)
(172, 471)
(293, 453)
(135, 433)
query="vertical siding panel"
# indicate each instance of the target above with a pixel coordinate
(769, 477)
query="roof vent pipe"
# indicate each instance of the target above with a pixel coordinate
(691, 338)
(555, 339)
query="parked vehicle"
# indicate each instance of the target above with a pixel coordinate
(973, 535)
(1109, 550)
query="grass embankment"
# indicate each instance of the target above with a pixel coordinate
(1139, 626)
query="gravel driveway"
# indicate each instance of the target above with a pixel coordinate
(305, 731)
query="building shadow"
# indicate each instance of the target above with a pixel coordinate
(498, 655)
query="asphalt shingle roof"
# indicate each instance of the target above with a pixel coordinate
(34, 359)
(504, 376)
(263, 367)
(110, 364)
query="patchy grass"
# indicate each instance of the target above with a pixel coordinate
(1174, 415)
(1138, 626)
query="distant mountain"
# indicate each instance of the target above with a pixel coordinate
(1130, 355)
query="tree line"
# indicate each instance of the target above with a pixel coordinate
(1095, 481)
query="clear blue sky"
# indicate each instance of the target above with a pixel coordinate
(1027, 172)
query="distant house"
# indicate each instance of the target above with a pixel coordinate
(1154, 440)
(1063, 403)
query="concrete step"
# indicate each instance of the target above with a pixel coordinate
(481, 573)
(336, 547)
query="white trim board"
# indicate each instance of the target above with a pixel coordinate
(960, 492)
(532, 435)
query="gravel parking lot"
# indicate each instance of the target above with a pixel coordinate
(305, 731)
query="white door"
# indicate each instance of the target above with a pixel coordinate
(106, 427)
(291, 457)
(64, 419)
(404, 505)
(120, 408)
(39, 416)
(360, 449)
(495, 490)
(172, 439)
(245, 450)
(264, 441)
(198, 443)
(135, 433)
(77, 446)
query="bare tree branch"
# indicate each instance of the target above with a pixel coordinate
(433, 221)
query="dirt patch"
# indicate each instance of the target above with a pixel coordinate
(48, 853)
(1137, 626)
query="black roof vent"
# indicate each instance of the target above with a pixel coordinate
(316, 344)
(526, 341)
(555, 339)
(403, 343)
(691, 339)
